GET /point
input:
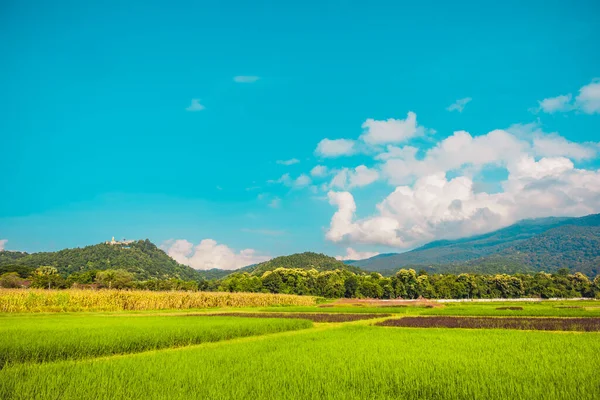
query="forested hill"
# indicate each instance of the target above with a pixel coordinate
(546, 244)
(142, 258)
(307, 260)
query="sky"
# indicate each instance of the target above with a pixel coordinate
(232, 132)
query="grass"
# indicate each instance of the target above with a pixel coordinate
(32, 300)
(44, 338)
(347, 362)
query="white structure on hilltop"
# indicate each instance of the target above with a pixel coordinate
(122, 242)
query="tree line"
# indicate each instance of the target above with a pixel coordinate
(405, 284)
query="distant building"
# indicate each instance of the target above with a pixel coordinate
(122, 242)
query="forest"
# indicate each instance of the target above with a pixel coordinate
(405, 284)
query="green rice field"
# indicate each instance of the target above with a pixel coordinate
(175, 355)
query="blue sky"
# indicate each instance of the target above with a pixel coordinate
(100, 138)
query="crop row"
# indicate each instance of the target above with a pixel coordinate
(46, 338)
(543, 324)
(315, 317)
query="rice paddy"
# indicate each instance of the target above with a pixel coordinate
(305, 352)
(44, 338)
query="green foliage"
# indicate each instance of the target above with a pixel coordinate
(47, 277)
(11, 280)
(114, 279)
(406, 284)
(141, 258)
(307, 261)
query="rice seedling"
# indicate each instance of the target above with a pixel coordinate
(349, 362)
(43, 338)
(545, 324)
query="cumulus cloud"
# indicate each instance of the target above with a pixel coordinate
(352, 254)
(246, 78)
(436, 207)
(302, 181)
(347, 178)
(335, 147)
(552, 144)
(587, 101)
(3, 244)
(402, 166)
(459, 105)
(391, 130)
(556, 104)
(209, 254)
(319, 171)
(195, 106)
(291, 161)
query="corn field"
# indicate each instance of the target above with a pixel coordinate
(31, 300)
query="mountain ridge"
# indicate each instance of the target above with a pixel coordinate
(511, 249)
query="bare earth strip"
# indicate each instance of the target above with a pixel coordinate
(315, 317)
(522, 323)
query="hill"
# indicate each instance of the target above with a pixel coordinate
(531, 245)
(306, 260)
(142, 258)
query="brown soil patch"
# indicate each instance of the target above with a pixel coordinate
(510, 308)
(315, 317)
(544, 324)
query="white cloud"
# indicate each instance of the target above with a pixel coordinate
(246, 78)
(552, 144)
(195, 106)
(556, 104)
(391, 130)
(349, 178)
(284, 179)
(437, 208)
(208, 254)
(3, 244)
(302, 181)
(291, 161)
(459, 150)
(352, 254)
(459, 105)
(588, 99)
(335, 147)
(319, 171)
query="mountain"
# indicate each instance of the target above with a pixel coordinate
(141, 257)
(306, 260)
(546, 244)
